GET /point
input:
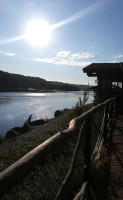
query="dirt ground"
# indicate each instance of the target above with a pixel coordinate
(108, 183)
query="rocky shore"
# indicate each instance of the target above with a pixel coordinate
(27, 126)
(18, 144)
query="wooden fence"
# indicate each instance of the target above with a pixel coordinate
(91, 158)
(10, 176)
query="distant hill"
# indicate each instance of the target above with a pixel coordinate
(83, 87)
(17, 82)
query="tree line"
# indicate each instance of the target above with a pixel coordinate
(17, 82)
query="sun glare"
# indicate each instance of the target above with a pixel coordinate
(38, 32)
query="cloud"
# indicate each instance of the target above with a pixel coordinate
(63, 54)
(66, 58)
(118, 56)
(45, 60)
(83, 55)
(9, 54)
(114, 61)
(63, 62)
(83, 13)
(75, 55)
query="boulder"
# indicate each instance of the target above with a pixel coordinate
(37, 122)
(66, 109)
(13, 132)
(24, 129)
(58, 113)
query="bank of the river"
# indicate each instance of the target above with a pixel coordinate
(30, 90)
(15, 107)
(14, 148)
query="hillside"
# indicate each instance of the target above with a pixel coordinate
(17, 82)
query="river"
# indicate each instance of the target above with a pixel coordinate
(15, 107)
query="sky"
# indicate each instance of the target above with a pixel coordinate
(81, 32)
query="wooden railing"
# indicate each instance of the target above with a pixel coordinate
(109, 119)
(91, 158)
(10, 176)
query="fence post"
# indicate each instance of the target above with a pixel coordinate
(87, 149)
(87, 154)
(114, 108)
(111, 113)
(106, 112)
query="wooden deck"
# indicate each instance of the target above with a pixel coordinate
(108, 184)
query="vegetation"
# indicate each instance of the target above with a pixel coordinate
(15, 82)
(1, 138)
(14, 148)
(45, 179)
(79, 107)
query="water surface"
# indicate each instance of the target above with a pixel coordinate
(15, 107)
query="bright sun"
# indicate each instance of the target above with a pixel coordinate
(38, 32)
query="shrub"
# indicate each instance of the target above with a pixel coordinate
(1, 138)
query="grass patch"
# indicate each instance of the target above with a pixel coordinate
(13, 149)
(1, 138)
(45, 179)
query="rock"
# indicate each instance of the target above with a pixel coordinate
(13, 132)
(24, 129)
(28, 121)
(58, 113)
(37, 122)
(66, 109)
(26, 125)
(16, 129)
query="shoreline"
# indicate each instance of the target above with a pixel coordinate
(7, 102)
(37, 91)
(14, 148)
(36, 124)
(29, 124)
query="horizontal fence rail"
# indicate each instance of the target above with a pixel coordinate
(10, 176)
(109, 115)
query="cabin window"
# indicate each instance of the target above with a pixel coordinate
(117, 86)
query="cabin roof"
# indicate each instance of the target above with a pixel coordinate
(106, 69)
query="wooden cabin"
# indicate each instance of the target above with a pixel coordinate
(109, 81)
